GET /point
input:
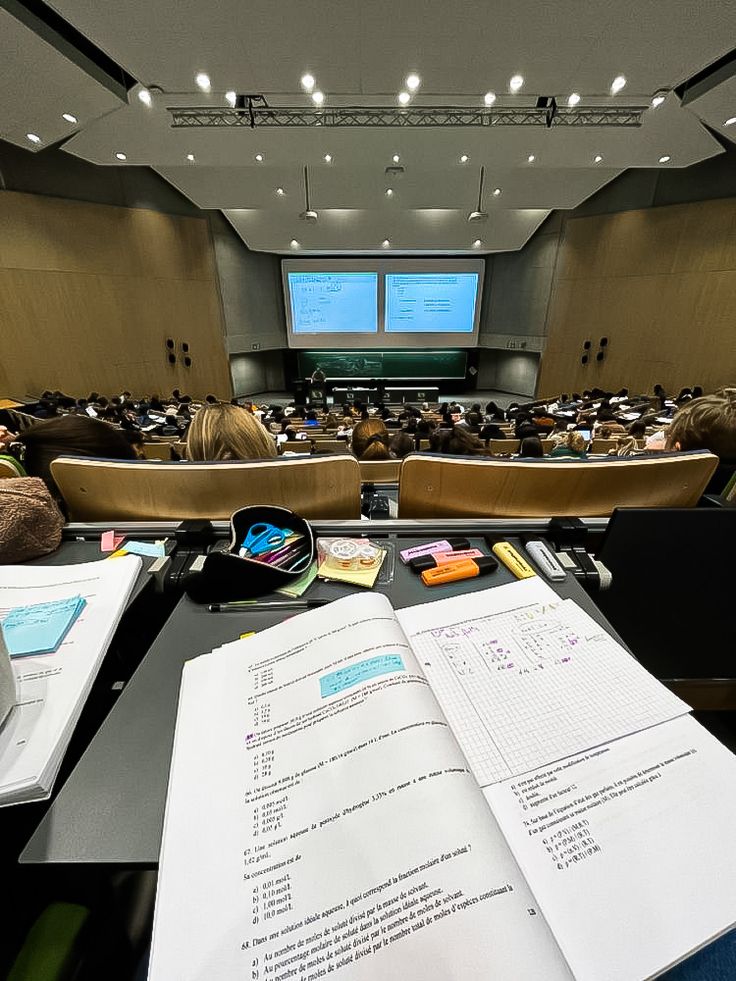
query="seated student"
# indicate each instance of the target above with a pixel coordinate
(531, 446)
(707, 423)
(493, 413)
(330, 421)
(637, 429)
(371, 440)
(473, 421)
(572, 445)
(401, 444)
(458, 441)
(543, 422)
(312, 419)
(38, 446)
(225, 432)
(491, 431)
(607, 420)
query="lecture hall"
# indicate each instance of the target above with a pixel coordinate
(367, 490)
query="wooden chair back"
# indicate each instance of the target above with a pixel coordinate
(111, 490)
(380, 471)
(9, 467)
(157, 451)
(432, 486)
(296, 446)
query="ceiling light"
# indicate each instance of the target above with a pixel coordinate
(597, 158)
(231, 98)
(573, 99)
(665, 158)
(531, 158)
(308, 82)
(657, 101)
(146, 98)
(328, 158)
(404, 97)
(464, 159)
(120, 155)
(497, 192)
(489, 98)
(33, 138)
(318, 97)
(385, 244)
(259, 158)
(477, 243)
(294, 244)
(730, 121)
(396, 158)
(515, 82)
(69, 117)
(190, 157)
(203, 81)
(413, 82)
(389, 192)
(617, 84)
(280, 191)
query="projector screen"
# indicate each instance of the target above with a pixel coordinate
(334, 302)
(382, 303)
(426, 303)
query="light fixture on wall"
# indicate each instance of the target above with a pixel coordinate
(479, 214)
(309, 214)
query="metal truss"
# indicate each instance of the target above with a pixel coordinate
(412, 118)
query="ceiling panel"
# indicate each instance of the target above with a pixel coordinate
(38, 83)
(715, 105)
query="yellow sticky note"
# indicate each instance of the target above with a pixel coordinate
(118, 555)
(250, 633)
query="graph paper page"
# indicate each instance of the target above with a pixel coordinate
(526, 678)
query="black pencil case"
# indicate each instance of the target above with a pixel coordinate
(226, 576)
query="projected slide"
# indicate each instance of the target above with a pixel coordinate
(421, 303)
(334, 302)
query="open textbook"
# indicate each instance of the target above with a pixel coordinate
(53, 688)
(482, 787)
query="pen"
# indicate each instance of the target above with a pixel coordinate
(237, 605)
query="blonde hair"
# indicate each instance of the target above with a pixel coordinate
(227, 432)
(371, 440)
(576, 441)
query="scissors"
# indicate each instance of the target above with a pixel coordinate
(263, 537)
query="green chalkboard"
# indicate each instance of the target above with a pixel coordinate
(339, 365)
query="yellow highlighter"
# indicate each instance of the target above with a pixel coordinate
(506, 553)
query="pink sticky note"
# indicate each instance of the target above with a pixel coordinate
(109, 541)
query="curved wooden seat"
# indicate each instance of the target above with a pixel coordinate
(380, 471)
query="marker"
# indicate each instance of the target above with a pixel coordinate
(457, 571)
(446, 545)
(423, 562)
(237, 605)
(506, 552)
(546, 560)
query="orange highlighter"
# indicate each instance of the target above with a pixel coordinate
(462, 569)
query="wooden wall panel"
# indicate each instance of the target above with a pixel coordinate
(660, 284)
(89, 293)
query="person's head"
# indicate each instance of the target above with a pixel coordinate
(475, 407)
(492, 410)
(226, 432)
(531, 446)
(312, 415)
(210, 399)
(605, 415)
(69, 436)
(474, 419)
(330, 421)
(637, 429)
(371, 440)
(697, 392)
(135, 438)
(400, 445)
(707, 423)
(605, 432)
(443, 409)
(659, 391)
(576, 441)
(458, 441)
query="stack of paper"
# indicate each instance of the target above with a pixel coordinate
(53, 687)
(40, 629)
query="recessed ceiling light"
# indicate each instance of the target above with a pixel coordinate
(190, 157)
(389, 192)
(280, 191)
(70, 118)
(464, 159)
(730, 121)
(203, 81)
(573, 99)
(294, 244)
(396, 158)
(318, 97)
(120, 155)
(308, 82)
(33, 138)
(328, 158)
(665, 158)
(146, 98)
(657, 101)
(597, 158)
(515, 82)
(259, 158)
(385, 244)
(489, 98)
(231, 98)
(413, 82)
(477, 243)
(617, 84)
(497, 192)
(531, 158)
(404, 97)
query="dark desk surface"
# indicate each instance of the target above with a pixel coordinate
(111, 808)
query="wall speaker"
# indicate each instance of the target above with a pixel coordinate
(603, 342)
(172, 359)
(586, 345)
(584, 359)
(187, 361)
(185, 347)
(600, 356)
(170, 343)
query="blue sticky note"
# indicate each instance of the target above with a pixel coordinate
(41, 628)
(372, 667)
(149, 549)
